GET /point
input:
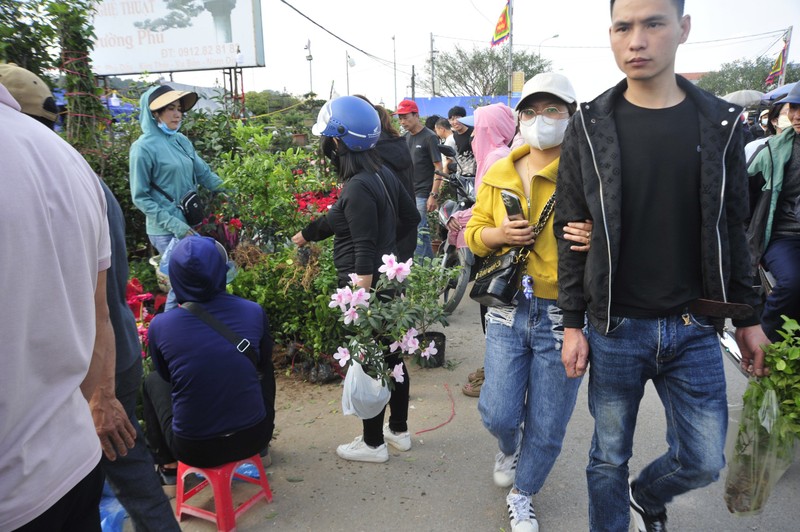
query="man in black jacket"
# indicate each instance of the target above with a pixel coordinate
(658, 165)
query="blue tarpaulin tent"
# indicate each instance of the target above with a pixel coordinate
(119, 109)
(441, 104)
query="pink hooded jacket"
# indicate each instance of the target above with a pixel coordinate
(495, 126)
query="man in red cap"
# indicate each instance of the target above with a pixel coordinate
(423, 145)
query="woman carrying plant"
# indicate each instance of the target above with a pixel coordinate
(164, 168)
(525, 382)
(373, 211)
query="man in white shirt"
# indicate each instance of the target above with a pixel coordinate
(58, 343)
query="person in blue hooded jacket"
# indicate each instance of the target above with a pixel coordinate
(164, 166)
(207, 403)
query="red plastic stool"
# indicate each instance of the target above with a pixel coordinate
(220, 479)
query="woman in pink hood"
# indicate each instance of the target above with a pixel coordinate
(495, 126)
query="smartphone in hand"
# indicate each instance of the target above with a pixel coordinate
(513, 205)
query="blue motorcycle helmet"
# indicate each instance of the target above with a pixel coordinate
(350, 119)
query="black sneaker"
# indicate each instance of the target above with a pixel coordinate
(169, 480)
(645, 522)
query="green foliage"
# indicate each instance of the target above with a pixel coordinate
(480, 71)
(27, 36)
(266, 182)
(769, 426)
(783, 360)
(211, 135)
(111, 164)
(269, 102)
(292, 286)
(140, 268)
(87, 116)
(743, 74)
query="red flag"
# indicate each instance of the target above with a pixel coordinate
(779, 65)
(503, 28)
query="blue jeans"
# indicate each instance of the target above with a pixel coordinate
(160, 242)
(685, 365)
(782, 258)
(526, 382)
(133, 477)
(424, 248)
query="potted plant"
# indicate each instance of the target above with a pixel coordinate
(394, 316)
(769, 427)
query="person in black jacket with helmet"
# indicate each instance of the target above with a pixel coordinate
(373, 211)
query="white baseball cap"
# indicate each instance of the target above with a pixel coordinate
(550, 83)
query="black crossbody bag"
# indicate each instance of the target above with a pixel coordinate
(190, 205)
(497, 280)
(243, 345)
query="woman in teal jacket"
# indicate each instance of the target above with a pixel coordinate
(164, 166)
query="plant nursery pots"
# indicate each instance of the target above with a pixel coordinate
(438, 339)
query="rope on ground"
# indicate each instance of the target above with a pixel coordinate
(452, 413)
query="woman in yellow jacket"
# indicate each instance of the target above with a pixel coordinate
(525, 382)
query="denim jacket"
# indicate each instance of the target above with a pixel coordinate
(589, 186)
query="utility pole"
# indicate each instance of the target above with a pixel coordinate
(394, 60)
(309, 57)
(413, 82)
(510, 49)
(433, 69)
(348, 63)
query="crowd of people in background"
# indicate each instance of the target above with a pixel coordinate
(613, 291)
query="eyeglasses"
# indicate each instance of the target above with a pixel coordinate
(548, 114)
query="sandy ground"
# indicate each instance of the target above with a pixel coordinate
(445, 481)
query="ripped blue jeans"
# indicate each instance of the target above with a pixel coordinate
(526, 382)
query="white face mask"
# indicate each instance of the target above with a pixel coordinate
(542, 135)
(784, 122)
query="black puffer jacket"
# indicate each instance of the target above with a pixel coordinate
(589, 187)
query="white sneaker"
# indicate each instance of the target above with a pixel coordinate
(399, 440)
(359, 451)
(505, 468)
(520, 512)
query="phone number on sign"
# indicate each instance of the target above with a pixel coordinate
(196, 51)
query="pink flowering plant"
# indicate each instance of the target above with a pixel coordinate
(391, 317)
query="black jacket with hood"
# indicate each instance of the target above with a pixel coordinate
(394, 153)
(589, 187)
(215, 388)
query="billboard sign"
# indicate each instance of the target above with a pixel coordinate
(135, 36)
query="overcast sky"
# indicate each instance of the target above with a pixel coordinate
(720, 30)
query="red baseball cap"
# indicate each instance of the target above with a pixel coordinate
(407, 106)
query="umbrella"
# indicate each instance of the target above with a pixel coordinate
(774, 94)
(745, 98)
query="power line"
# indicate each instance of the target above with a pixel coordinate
(742, 38)
(384, 62)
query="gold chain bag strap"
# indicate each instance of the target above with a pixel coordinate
(497, 279)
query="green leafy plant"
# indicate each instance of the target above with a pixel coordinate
(291, 285)
(389, 318)
(265, 184)
(768, 430)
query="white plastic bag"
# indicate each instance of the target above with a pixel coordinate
(362, 395)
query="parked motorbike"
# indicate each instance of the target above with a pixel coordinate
(451, 255)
